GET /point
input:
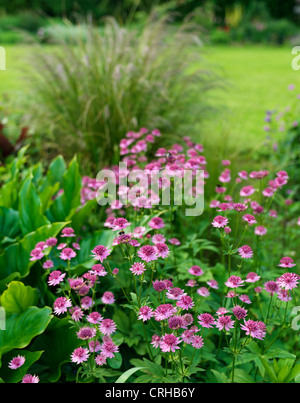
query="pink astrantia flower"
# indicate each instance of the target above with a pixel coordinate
(247, 191)
(145, 313)
(224, 322)
(252, 277)
(222, 311)
(98, 270)
(197, 341)
(80, 355)
(244, 298)
(67, 254)
(250, 219)
(283, 295)
(288, 281)
(56, 277)
(286, 262)
(245, 252)
(16, 362)
(161, 250)
(86, 302)
(271, 287)
(36, 254)
(156, 223)
(175, 322)
(206, 320)
(158, 238)
(213, 284)
(147, 253)
(254, 328)
(155, 341)
(260, 230)
(219, 221)
(28, 378)
(100, 359)
(107, 326)
(61, 305)
(100, 252)
(68, 232)
(137, 268)
(185, 302)
(175, 293)
(234, 282)
(164, 311)
(196, 271)
(109, 349)
(120, 223)
(94, 317)
(174, 241)
(76, 313)
(239, 312)
(169, 342)
(108, 298)
(86, 333)
(51, 242)
(203, 291)
(48, 264)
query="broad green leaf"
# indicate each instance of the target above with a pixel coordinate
(9, 222)
(115, 362)
(66, 204)
(22, 328)
(127, 374)
(18, 297)
(220, 376)
(241, 376)
(15, 376)
(31, 217)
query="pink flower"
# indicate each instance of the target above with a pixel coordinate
(252, 277)
(175, 293)
(286, 262)
(169, 342)
(244, 298)
(120, 223)
(16, 362)
(206, 320)
(175, 322)
(48, 264)
(76, 313)
(158, 238)
(250, 219)
(245, 252)
(247, 191)
(239, 312)
(147, 253)
(68, 232)
(155, 341)
(67, 254)
(100, 359)
(197, 341)
(254, 328)
(98, 270)
(100, 252)
(185, 302)
(108, 298)
(234, 282)
(36, 254)
(283, 295)
(196, 271)
(137, 268)
(271, 287)
(161, 250)
(145, 313)
(61, 305)
(51, 242)
(107, 326)
(86, 333)
(86, 302)
(109, 349)
(80, 355)
(28, 378)
(164, 311)
(219, 221)
(240, 206)
(222, 311)
(213, 284)
(94, 317)
(224, 322)
(156, 223)
(260, 230)
(288, 281)
(203, 291)
(56, 277)
(174, 241)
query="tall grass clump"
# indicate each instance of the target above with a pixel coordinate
(85, 96)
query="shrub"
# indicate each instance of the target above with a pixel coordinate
(88, 95)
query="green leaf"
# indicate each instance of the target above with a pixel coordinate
(127, 374)
(18, 297)
(115, 362)
(15, 376)
(66, 204)
(22, 328)
(220, 376)
(30, 206)
(241, 376)
(9, 222)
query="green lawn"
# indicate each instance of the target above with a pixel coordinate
(257, 79)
